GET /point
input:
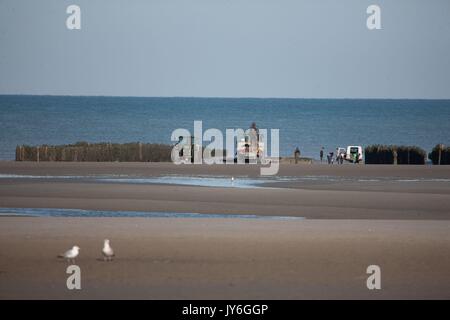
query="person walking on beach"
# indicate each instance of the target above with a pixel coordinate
(297, 155)
(330, 158)
(321, 154)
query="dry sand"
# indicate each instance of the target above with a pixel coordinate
(225, 258)
(402, 227)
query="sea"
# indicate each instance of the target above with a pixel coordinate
(308, 124)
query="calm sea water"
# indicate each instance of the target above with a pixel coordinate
(306, 123)
(56, 212)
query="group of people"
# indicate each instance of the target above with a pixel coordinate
(331, 157)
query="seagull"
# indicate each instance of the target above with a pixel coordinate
(107, 251)
(232, 180)
(71, 254)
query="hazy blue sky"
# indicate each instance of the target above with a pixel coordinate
(238, 48)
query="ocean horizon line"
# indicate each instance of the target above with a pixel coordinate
(217, 97)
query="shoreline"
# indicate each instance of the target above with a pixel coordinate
(157, 168)
(321, 199)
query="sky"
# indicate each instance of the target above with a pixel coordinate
(226, 48)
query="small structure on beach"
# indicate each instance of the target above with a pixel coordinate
(250, 148)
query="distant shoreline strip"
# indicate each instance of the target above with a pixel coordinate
(81, 213)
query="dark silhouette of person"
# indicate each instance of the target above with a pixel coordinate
(297, 154)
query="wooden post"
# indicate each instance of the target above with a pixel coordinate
(140, 151)
(296, 155)
(37, 153)
(441, 147)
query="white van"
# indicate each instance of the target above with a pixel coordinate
(354, 152)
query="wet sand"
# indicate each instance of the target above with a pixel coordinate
(355, 197)
(162, 168)
(402, 226)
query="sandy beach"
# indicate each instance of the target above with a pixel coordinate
(396, 217)
(225, 259)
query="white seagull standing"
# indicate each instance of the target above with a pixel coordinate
(107, 251)
(71, 254)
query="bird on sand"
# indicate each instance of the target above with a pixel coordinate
(71, 254)
(107, 251)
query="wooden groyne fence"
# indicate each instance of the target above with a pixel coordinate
(440, 154)
(392, 154)
(382, 154)
(97, 152)
(148, 152)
